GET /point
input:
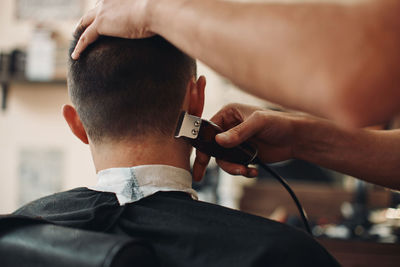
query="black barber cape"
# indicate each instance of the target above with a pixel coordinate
(183, 231)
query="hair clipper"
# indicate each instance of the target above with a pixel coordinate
(201, 135)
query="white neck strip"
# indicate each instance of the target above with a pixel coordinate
(134, 183)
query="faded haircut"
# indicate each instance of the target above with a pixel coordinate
(126, 88)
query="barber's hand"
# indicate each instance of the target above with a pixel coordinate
(119, 18)
(270, 131)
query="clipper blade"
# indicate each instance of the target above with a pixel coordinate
(201, 135)
(188, 126)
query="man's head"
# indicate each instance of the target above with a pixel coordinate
(123, 89)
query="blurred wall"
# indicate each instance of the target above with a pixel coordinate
(33, 120)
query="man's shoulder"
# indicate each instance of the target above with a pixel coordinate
(178, 209)
(78, 207)
(179, 204)
(250, 240)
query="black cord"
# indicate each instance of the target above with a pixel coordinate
(292, 194)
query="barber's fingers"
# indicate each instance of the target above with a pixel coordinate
(87, 19)
(202, 160)
(89, 36)
(227, 117)
(237, 169)
(254, 124)
(200, 165)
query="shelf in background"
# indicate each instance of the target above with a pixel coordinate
(35, 83)
(5, 86)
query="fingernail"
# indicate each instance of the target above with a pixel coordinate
(238, 171)
(74, 55)
(223, 136)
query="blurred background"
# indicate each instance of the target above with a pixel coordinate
(39, 155)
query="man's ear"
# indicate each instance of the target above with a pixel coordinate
(74, 122)
(196, 96)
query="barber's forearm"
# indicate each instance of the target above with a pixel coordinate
(320, 58)
(271, 50)
(373, 156)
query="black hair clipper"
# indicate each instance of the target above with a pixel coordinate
(201, 135)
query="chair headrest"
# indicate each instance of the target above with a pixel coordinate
(34, 242)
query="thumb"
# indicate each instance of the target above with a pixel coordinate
(242, 132)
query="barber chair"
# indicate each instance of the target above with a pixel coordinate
(34, 242)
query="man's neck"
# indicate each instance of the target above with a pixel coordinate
(144, 151)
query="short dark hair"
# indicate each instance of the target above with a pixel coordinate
(128, 88)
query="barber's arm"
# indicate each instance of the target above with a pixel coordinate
(366, 154)
(334, 60)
